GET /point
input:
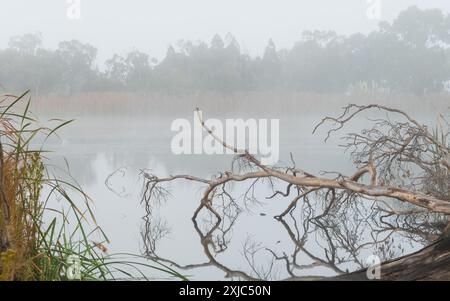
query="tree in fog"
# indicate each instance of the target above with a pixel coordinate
(413, 51)
(117, 71)
(78, 59)
(269, 67)
(408, 55)
(26, 44)
(26, 65)
(316, 63)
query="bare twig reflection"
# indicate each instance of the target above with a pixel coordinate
(332, 222)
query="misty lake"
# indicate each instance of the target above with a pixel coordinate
(318, 141)
(107, 156)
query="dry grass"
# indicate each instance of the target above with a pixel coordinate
(277, 103)
(18, 261)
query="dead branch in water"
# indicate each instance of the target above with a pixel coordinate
(404, 160)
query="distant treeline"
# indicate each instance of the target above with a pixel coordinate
(411, 54)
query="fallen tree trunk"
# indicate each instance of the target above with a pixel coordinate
(430, 263)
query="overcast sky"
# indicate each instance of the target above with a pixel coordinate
(151, 26)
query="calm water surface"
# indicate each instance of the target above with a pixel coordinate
(107, 154)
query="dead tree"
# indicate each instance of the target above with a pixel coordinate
(408, 191)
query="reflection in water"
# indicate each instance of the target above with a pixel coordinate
(328, 233)
(334, 224)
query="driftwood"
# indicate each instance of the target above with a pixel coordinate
(405, 161)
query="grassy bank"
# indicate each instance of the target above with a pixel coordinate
(38, 239)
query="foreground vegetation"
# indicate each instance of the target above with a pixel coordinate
(47, 228)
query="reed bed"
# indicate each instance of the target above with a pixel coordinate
(254, 103)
